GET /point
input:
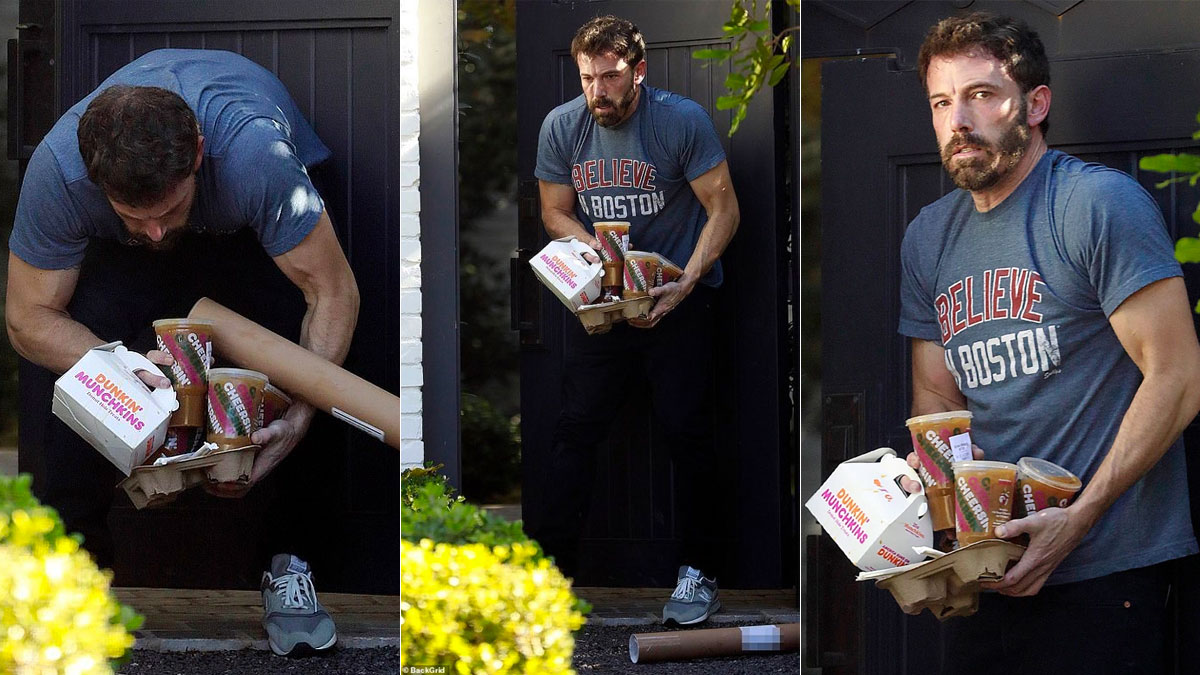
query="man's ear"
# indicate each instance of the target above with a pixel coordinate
(199, 153)
(1038, 102)
(639, 72)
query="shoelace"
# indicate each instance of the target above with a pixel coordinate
(296, 590)
(686, 589)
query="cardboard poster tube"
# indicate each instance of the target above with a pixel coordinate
(302, 373)
(712, 642)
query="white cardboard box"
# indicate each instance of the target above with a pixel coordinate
(103, 400)
(864, 510)
(563, 269)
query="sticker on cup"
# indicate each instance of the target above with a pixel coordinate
(1042, 484)
(983, 496)
(234, 401)
(189, 342)
(614, 240)
(934, 437)
(640, 271)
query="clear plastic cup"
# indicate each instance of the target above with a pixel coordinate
(614, 240)
(189, 342)
(983, 493)
(641, 270)
(274, 404)
(234, 402)
(1042, 484)
(933, 437)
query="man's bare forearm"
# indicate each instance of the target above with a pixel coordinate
(718, 231)
(50, 339)
(560, 224)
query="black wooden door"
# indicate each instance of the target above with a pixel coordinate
(1123, 83)
(629, 540)
(340, 62)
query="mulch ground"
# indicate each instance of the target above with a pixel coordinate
(605, 649)
(378, 661)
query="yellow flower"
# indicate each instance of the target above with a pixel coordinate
(485, 610)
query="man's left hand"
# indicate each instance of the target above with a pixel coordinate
(278, 439)
(667, 297)
(1053, 533)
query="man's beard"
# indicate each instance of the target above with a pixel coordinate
(169, 241)
(619, 106)
(983, 172)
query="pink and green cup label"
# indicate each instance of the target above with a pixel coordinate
(614, 241)
(640, 273)
(192, 351)
(1034, 496)
(933, 448)
(233, 408)
(982, 501)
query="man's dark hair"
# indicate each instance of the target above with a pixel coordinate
(1008, 40)
(138, 143)
(609, 34)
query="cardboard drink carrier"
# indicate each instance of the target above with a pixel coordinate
(887, 533)
(561, 267)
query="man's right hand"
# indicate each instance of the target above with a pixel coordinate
(152, 379)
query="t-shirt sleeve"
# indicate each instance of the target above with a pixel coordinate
(553, 161)
(918, 317)
(1117, 237)
(48, 233)
(272, 189)
(697, 144)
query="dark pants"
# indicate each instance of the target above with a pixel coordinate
(1114, 624)
(676, 359)
(121, 290)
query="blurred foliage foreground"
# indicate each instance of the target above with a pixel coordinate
(57, 613)
(475, 592)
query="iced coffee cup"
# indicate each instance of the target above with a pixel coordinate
(641, 268)
(614, 240)
(983, 496)
(934, 439)
(234, 398)
(1042, 484)
(189, 342)
(274, 404)
(667, 271)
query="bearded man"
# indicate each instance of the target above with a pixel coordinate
(626, 151)
(1044, 297)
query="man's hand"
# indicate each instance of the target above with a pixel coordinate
(278, 439)
(151, 378)
(1053, 534)
(667, 297)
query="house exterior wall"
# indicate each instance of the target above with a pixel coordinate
(412, 449)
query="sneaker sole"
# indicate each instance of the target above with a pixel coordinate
(704, 617)
(302, 647)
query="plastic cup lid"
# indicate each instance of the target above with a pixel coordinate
(938, 417)
(1048, 472)
(218, 373)
(186, 321)
(982, 465)
(611, 223)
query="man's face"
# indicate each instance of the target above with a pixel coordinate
(160, 225)
(979, 117)
(610, 86)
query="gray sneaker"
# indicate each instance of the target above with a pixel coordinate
(694, 600)
(291, 614)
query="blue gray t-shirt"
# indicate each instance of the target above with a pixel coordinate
(637, 171)
(1020, 298)
(257, 146)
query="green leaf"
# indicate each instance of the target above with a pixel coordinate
(774, 61)
(1196, 135)
(1180, 163)
(1162, 184)
(732, 29)
(728, 102)
(1196, 215)
(737, 119)
(1187, 249)
(786, 43)
(734, 81)
(717, 54)
(778, 73)
(759, 26)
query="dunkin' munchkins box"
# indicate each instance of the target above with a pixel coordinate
(868, 514)
(103, 400)
(563, 269)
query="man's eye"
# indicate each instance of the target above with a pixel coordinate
(940, 104)
(982, 94)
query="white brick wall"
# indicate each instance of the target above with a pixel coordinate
(412, 447)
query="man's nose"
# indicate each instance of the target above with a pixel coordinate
(155, 230)
(960, 118)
